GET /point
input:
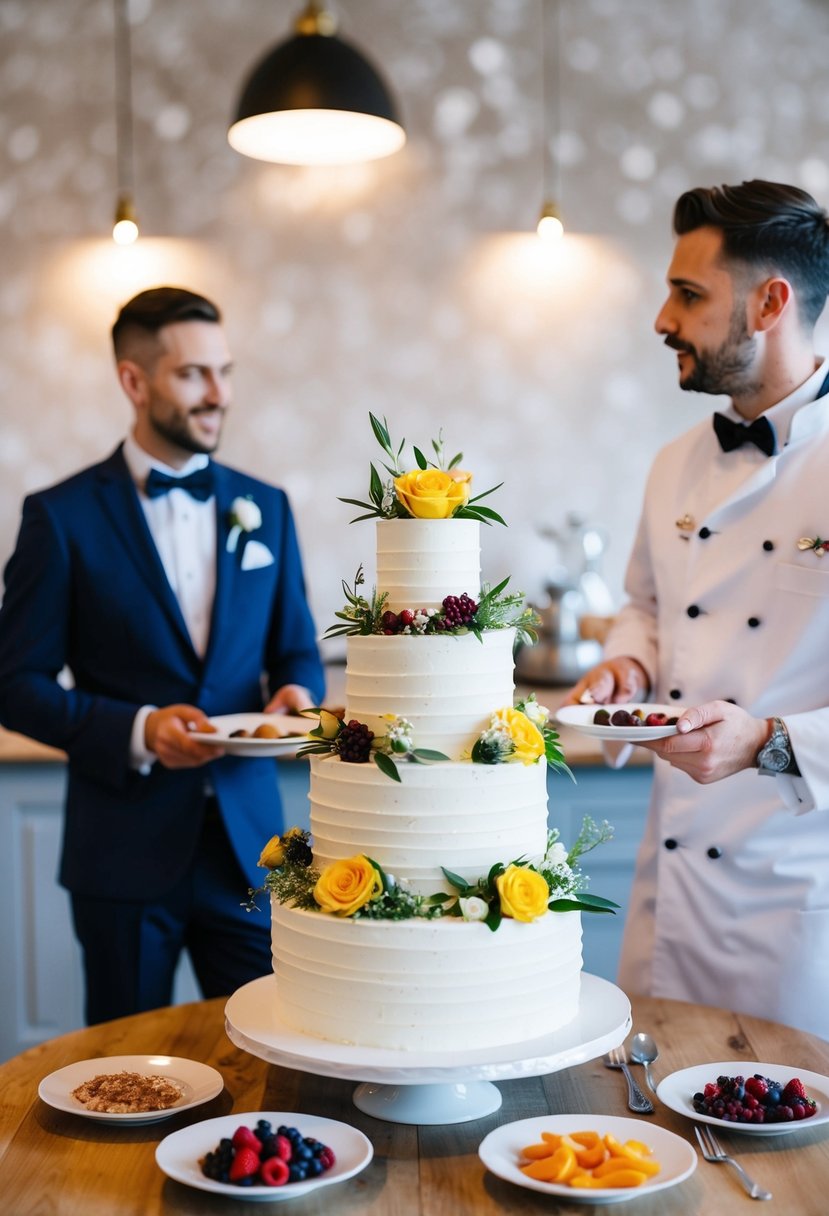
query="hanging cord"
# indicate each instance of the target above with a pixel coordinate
(551, 97)
(123, 100)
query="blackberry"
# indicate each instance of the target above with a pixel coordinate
(353, 743)
(299, 852)
(459, 610)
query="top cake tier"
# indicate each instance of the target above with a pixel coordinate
(421, 561)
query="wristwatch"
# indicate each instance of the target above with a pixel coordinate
(775, 756)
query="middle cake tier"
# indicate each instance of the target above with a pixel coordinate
(446, 685)
(460, 815)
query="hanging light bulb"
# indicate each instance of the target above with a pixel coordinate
(125, 225)
(550, 226)
(315, 100)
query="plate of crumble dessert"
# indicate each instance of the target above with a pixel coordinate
(256, 734)
(130, 1089)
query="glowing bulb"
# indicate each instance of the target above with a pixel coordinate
(550, 227)
(125, 228)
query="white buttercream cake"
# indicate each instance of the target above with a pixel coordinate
(412, 984)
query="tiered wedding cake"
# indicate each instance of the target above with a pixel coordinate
(422, 920)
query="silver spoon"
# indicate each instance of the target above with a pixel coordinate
(643, 1050)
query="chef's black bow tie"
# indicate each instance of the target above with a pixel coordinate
(734, 434)
(198, 484)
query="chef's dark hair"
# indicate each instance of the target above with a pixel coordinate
(151, 310)
(777, 228)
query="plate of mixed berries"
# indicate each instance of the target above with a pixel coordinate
(747, 1096)
(623, 723)
(264, 1155)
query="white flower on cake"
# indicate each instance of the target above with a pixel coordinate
(537, 714)
(244, 516)
(473, 907)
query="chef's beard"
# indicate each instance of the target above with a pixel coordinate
(726, 370)
(175, 429)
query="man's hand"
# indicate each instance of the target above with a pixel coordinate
(714, 740)
(289, 699)
(167, 733)
(618, 680)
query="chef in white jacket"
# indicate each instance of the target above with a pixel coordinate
(728, 618)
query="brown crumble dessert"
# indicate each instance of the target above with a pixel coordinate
(128, 1093)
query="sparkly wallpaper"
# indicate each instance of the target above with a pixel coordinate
(414, 287)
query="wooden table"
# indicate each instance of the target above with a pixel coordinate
(61, 1165)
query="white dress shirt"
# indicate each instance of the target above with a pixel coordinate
(184, 532)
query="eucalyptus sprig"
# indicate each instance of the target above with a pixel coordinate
(359, 616)
(497, 611)
(383, 502)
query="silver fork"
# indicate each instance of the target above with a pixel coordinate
(637, 1101)
(712, 1150)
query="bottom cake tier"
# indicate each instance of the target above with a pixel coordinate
(419, 985)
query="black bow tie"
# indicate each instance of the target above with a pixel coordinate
(734, 434)
(198, 484)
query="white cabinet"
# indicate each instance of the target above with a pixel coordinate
(41, 986)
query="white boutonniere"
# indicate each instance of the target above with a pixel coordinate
(244, 516)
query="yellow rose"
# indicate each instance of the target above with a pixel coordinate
(526, 737)
(432, 493)
(523, 893)
(347, 885)
(273, 854)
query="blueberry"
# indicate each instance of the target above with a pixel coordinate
(250, 1180)
(298, 1172)
(315, 1168)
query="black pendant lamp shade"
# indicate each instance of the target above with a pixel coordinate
(315, 99)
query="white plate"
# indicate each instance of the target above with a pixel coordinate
(677, 1091)
(226, 723)
(199, 1083)
(179, 1154)
(500, 1152)
(580, 718)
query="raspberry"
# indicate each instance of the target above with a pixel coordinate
(243, 1137)
(326, 1156)
(757, 1087)
(274, 1172)
(245, 1164)
(284, 1149)
(353, 743)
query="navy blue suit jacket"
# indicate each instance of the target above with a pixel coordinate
(85, 587)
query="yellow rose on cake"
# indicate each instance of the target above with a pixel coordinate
(346, 886)
(433, 493)
(523, 893)
(273, 854)
(527, 739)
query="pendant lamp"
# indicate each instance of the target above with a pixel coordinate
(125, 222)
(315, 100)
(550, 226)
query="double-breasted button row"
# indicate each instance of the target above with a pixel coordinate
(714, 852)
(704, 533)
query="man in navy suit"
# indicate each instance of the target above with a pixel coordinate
(171, 587)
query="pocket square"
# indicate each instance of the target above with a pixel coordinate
(255, 555)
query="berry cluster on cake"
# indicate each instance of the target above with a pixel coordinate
(435, 909)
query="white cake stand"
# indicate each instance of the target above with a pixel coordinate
(429, 1087)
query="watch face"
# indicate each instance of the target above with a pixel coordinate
(775, 758)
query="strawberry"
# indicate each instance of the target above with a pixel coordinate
(245, 1164)
(793, 1089)
(757, 1087)
(243, 1137)
(274, 1172)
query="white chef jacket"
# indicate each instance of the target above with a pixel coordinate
(730, 904)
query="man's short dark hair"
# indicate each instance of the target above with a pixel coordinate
(148, 312)
(775, 228)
